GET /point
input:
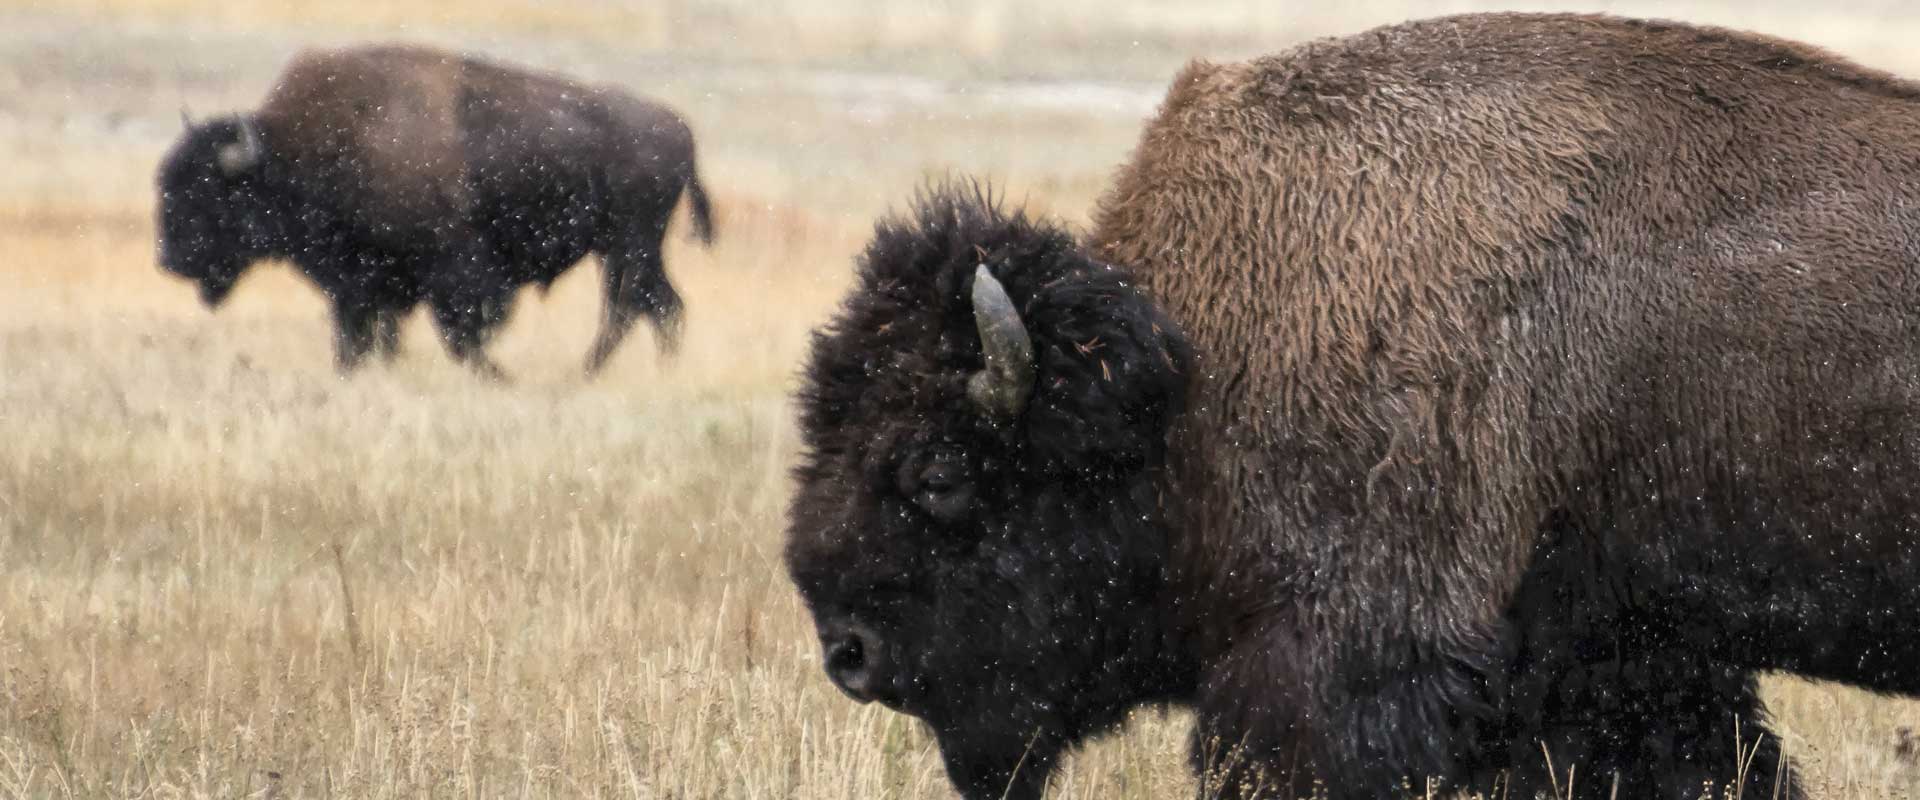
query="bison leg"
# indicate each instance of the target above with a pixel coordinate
(1664, 725)
(636, 285)
(471, 296)
(1282, 719)
(1625, 699)
(386, 333)
(466, 342)
(466, 320)
(353, 333)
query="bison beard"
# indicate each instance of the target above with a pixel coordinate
(1474, 400)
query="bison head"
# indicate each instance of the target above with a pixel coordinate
(213, 220)
(977, 527)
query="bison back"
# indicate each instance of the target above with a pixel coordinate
(1450, 275)
(376, 131)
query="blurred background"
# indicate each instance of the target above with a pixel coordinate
(226, 572)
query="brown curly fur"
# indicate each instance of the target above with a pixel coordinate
(1452, 277)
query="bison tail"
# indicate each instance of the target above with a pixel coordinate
(701, 209)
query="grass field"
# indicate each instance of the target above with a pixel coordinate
(224, 572)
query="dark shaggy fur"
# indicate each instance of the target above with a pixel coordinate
(1550, 376)
(392, 175)
(1003, 551)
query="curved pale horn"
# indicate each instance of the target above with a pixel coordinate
(186, 118)
(1002, 389)
(244, 153)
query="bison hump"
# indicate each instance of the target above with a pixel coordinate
(381, 128)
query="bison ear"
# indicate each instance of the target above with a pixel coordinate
(244, 153)
(1112, 372)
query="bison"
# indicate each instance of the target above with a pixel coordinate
(391, 175)
(1471, 403)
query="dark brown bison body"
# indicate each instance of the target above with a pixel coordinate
(395, 175)
(1466, 388)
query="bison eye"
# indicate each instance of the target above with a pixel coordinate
(938, 478)
(939, 483)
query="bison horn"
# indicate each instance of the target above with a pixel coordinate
(1002, 389)
(186, 118)
(245, 152)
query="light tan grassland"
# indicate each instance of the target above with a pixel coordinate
(225, 572)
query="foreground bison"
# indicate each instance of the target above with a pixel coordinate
(1425, 404)
(392, 175)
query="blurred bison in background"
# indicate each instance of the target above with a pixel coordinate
(1423, 401)
(390, 175)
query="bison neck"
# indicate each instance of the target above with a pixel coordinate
(1203, 598)
(1170, 633)
(283, 224)
(297, 220)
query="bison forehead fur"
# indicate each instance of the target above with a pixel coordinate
(1529, 380)
(1110, 366)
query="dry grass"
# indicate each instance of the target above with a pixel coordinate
(225, 573)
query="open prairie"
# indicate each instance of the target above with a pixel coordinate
(226, 572)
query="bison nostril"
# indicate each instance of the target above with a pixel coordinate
(850, 663)
(849, 656)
